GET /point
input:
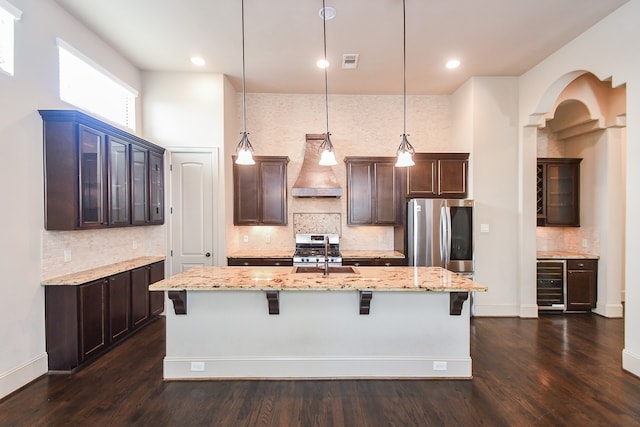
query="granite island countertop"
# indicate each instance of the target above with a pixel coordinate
(434, 279)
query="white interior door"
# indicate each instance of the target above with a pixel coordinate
(192, 216)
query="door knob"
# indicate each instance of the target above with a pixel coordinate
(208, 254)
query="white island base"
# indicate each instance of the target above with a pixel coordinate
(229, 334)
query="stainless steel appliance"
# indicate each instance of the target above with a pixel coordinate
(312, 249)
(440, 233)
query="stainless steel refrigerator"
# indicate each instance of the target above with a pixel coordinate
(440, 233)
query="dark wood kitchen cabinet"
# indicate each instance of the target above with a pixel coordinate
(92, 320)
(82, 321)
(374, 262)
(374, 192)
(156, 299)
(260, 191)
(261, 262)
(140, 294)
(558, 192)
(119, 306)
(438, 175)
(90, 173)
(582, 284)
(156, 187)
(119, 187)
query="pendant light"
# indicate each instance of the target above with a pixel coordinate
(328, 156)
(405, 150)
(244, 148)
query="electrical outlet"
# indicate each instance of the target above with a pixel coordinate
(484, 228)
(134, 244)
(67, 256)
(585, 243)
(439, 366)
(197, 366)
(245, 238)
(267, 238)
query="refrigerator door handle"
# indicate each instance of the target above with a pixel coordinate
(446, 236)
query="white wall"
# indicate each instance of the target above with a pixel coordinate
(34, 86)
(608, 49)
(485, 122)
(189, 112)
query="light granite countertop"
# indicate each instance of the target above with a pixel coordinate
(564, 255)
(86, 276)
(283, 278)
(371, 254)
(263, 254)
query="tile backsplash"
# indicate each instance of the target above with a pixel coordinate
(316, 223)
(65, 252)
(584, 240)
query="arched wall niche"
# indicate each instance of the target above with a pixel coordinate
(583, 121)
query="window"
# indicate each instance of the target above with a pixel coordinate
(8, 14)
(85, 84)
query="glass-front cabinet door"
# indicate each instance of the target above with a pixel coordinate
(156, 188)
(91, 169)
(118, 182)
(139, 185)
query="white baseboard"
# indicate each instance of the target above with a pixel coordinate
(631, 362)
(320, 367)
(12, 380)
(609, 310)
(489, 310)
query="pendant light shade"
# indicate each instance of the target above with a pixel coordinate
(244, 147)
(405, 150)
(328, 156)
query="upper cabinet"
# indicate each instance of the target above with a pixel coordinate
(260, 191)
(374, 191)
(438, 175)
(558, 192)
(97, 175)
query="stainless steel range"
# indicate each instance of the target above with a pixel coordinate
(311, 250)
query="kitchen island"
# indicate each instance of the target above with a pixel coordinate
(274, 322)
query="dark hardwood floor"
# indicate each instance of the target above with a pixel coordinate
(558, 370)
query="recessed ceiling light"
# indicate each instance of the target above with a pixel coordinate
(198, 60)
(327, 13)
(453, 63)
(322, 63)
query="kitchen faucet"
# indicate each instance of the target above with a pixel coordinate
(326, 256)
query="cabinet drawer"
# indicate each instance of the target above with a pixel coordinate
(581, 264)
(268, 262)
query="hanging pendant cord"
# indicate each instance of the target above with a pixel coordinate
(326, 81)
(404, 65)
(244, 96)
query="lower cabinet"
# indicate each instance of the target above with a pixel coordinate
(83, 321)
(259, 262)
(119, 306)
(567, 284)
(156, 299)
(582, 280)
(374, 262)
(139, 296)
(91, 321)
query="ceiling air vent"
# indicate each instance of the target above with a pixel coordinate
(350, 60)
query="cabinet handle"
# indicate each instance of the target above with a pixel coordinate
(277, 264)
(208, 254)
(580, 265)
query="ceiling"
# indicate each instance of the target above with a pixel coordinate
(283, 39)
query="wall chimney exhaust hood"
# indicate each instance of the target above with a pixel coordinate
(315, 180)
